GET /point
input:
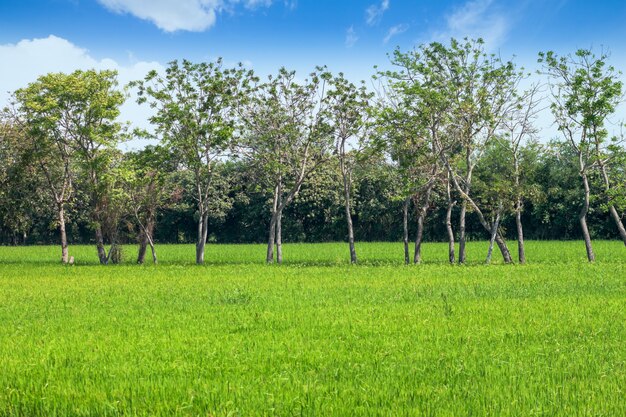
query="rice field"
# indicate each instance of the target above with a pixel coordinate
(314, 336)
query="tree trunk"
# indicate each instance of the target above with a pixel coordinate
(506, 255)
(494, 232)
(346, 193)
(154, 254)
(421, 215)
(102, 253)
(618, 222)
(279, 238)
(405, 224)
(582, 217)
(614, 214)
(279, 223)
(203, 229)
(143, 245)
(466, 190)
(451, 204)
(64, 248)
(145, 240)
(462, 232)
(269, 258)
(521, 252)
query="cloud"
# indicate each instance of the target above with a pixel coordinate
(291, 4)
(395, 30)
(351, 37)
(190, 15)
(31, 58)
(374, 13)
(477, 19)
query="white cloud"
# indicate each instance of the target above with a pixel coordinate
(291, 4)
(31, 58)
(477, 19)
(190, 15)
(395, 30)
(351, 37)
(374, 13)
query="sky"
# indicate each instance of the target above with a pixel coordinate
(351, 36)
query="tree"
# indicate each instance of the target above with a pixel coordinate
(414, 120)
(23, 194)
(195, 117)
(145, 175)
(349, 111)
(481, 87)
(518, 128)
(70, 119)
(585, 92)
(287, 137)
(43, 123)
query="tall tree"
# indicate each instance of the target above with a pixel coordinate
(71, 119)
(349, 112)
(287, 138)
(481, 86)
(519, 127)
(417, 116)
(23, 193)
(195, 116)
(145, 175)
(585, 92)
(47, 143)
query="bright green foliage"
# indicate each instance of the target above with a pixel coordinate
(80, 110)
(239, 338)
(585, 88)
(195, 117)
(22, 206)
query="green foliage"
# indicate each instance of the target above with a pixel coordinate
(194, 109)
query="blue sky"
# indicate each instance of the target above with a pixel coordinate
(38, 36)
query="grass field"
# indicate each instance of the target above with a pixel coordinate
(316, 336)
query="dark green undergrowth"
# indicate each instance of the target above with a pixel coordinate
(315, 336)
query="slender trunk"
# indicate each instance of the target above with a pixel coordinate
(203, 229)
(279, 238)
(149, 234)
(466, 190)
(154, 254)
(145, 240)
(494, 232)
(279, 223)
(462, 232)
(143, 245)
(421, 215)
(102, 253)
(506, 254)
(614, 214)
(582, 217)
(618, 222)
(405, 224)
(521, 252)
(451, 204)
(346, 194)
(64, 248)
(519, 204)
(271, 239)
(272, 230)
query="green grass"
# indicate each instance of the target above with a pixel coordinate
(316, 336)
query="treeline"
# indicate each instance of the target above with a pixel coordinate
(444, 147)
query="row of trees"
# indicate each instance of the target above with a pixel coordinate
(451, 130)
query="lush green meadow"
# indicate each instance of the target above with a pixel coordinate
(315, 336)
